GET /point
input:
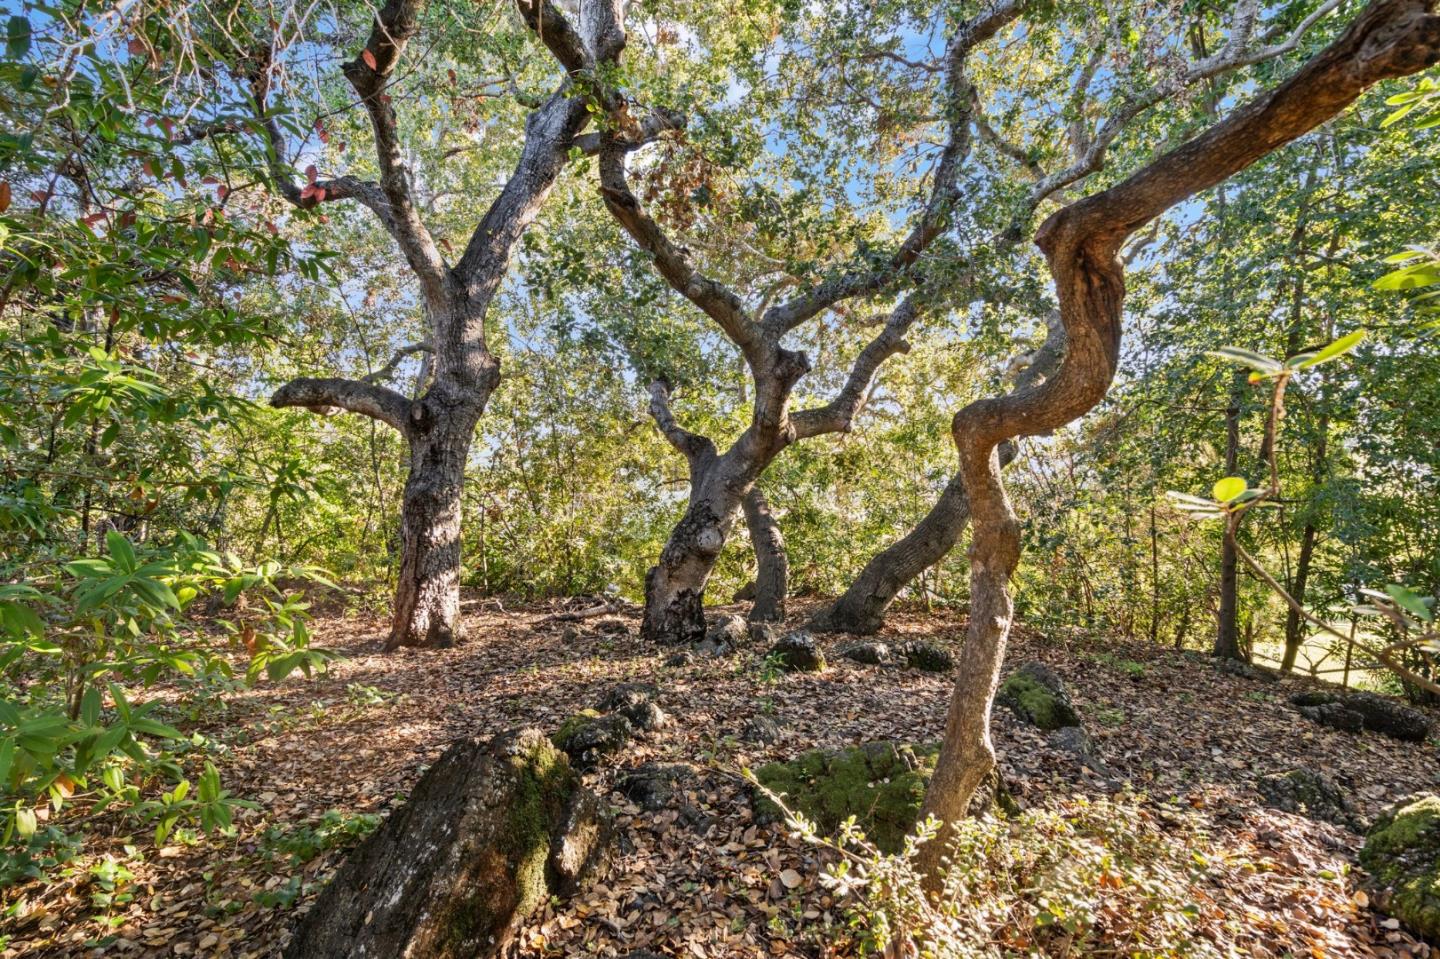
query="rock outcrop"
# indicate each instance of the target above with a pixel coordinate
(492, 831)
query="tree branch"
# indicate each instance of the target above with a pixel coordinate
(690, 445)
(838, 416)
(328, 394)
(384, 373)
(959, 104)
(647, 131)
(369, 74)
(673, 262)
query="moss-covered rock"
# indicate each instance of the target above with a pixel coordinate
(1037, 695)
(798, 653)
(1402, 854)
(1309, 793)
(492, 831)
(881, 784)
(588, 737)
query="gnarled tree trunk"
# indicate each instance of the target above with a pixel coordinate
(772, 572)
(427, 591)
(861, 608)
(1081, 241)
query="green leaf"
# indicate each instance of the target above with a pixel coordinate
(17, 38)
(1256, 361)
(1338, 348)
(1228, 488)
(1410, 601)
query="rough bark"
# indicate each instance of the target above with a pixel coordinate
(1080, 242)
(772, 564)
(861, 608)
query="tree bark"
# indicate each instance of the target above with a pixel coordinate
(1294, 625)
(772, 564)
(1080, 242)
(427, 591)
(861, 609)
(1227, 622)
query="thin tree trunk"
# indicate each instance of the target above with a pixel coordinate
(1227, 633)
(772, 565)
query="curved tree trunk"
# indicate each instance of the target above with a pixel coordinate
(1081, 243)
(861, 608)
(772, 565)
(675, 586)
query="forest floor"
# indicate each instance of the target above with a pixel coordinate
(704, 880)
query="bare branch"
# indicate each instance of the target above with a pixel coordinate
(327, 395)
(369, 74)
(384, 373)
(1090, 150)
(838, 416)
(673, 262)
(691, 445)
(959, 103)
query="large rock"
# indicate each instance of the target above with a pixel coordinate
(491, 832)
(1036, 694)
(588, 737)
(1309, 793)
(1402, 855)
(881, 784)
(869, 653)
(636, 702)
(728, 632)
(926, 657)
(798, 653)
(1377, 714)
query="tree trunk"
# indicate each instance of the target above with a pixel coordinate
(1294, 625)
(772, 565)
(427, 594)
(862, 607)
(675, 586)
(1227, 633)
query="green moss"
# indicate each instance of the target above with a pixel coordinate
(1402, 852)
(1036, 702)
(544, 783)
(573, 725)
(881, 784)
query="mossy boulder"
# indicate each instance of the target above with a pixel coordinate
(1402, 854)
(492, 831)
(1352, 712)
(1036, 694)
(1309, 793)
(588, 737)
(881, 784)
(798, 653)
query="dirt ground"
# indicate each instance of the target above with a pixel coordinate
(701, 880)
